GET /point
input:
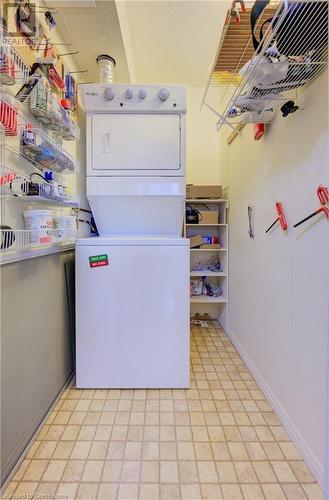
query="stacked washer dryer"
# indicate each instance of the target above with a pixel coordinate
(132, 282)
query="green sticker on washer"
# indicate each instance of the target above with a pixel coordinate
(99, 260)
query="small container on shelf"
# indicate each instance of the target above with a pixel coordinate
(40, 223)
(208, 216)
(67, 227)
(203, 287)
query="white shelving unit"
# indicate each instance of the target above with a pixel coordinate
(208, 225)
(207, 273)
(208, 250)
(207, 300)
(216, 307)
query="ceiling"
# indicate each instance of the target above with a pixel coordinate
(92, 28)
(153, 41)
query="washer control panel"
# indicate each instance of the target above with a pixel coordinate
(103, 98)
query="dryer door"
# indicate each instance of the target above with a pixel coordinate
(135, 144)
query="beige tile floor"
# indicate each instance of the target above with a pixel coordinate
(218, 440)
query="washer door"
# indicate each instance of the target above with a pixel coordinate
(136, 144)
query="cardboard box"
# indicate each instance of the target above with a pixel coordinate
(195, 241)
(193, 191)
(211, 245)
(208, 217)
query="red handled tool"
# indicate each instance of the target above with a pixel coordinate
(323, 195)
(235, 10)
(259, 130)
(281, 218)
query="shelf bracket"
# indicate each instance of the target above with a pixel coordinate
(218, 115)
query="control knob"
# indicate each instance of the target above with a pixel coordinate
(128, 94)
(109, 94)
(163, 94)
(142, 94)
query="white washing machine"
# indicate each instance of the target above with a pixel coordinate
(133, 306)
(132, 282)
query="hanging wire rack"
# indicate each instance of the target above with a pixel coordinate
(245, 83)
(30, 141)
(43, 105)
(41, 150)
(25, 239)
(13, 181)
(22, 186)
(13, 69)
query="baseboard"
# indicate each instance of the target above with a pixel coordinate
(294, 434)
(32, 432)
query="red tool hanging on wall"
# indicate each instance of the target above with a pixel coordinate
(323, 195)
(281, 218)
(259, 131)
(235, 12)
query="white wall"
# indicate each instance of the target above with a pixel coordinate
(278, 308)
(202, 143)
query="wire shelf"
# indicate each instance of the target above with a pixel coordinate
(13, 182)
(13, 69)
(25, 239)
(248, 85)
(48, 194)
(37, 147)
(21, 186)
(9, 118)
(34, 144)
(44, 106)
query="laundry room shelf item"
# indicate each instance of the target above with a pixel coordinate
(204, 259)
(26, 138)
(37, 147)
(21, 186)
(13, 69)
(250, 85)
(43, 104)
